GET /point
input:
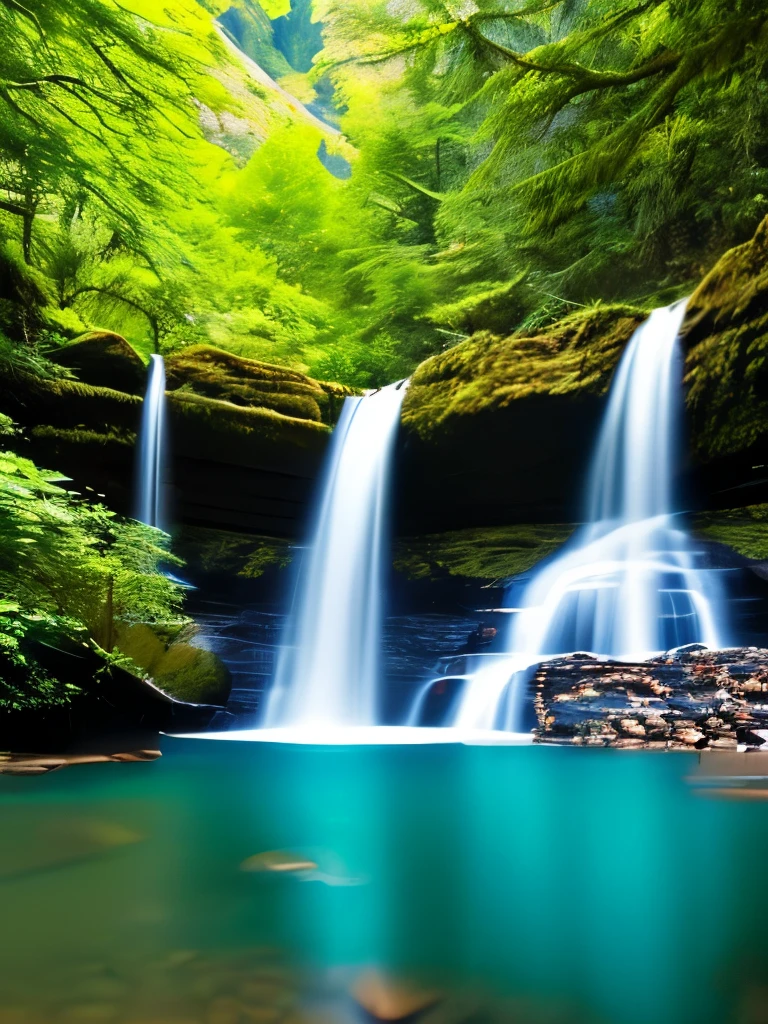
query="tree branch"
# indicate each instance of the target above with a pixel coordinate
(120, 298)
(14, 5)
(14, 208)
(589, 78)
(437, 196)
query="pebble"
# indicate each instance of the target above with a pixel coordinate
(688, 736)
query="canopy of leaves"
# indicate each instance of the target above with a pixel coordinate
(588, 149)
(511, 161)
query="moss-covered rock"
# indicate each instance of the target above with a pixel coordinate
(499, 430)
(576, 355)
(105, 360)
(726, 338)
(178, 668)
(233, 467)
(213, 373)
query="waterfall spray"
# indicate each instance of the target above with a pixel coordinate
(150, 498)
(328, 667)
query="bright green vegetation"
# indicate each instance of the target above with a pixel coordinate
(509, 163)
(577, 354)
(547, 154)
(71, 574)
(492, 554)
(175, 665)
(743, 529)
(236, 554)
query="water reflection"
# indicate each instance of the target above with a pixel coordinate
(231, 883)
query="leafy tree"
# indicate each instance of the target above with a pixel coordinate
(616, 149)
(65, 557)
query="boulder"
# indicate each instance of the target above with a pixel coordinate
(213, 373)
(104, 360)
(178, 668)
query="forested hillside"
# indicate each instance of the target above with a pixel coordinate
(510, 163)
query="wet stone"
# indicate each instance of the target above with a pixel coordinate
(687, 699)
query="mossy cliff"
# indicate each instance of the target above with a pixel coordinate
(498, 430)
(726, 341)
(246, 438)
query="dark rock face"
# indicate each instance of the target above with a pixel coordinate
(114, 710)
(242, 468)
(105, 360)
(499, 430)
(247, 439)
(692, 699)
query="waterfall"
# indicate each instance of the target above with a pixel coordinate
(328, 666)
(150, 498)
(627, 585)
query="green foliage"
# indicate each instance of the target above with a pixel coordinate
(64, 557)
(221, 551)
(492, 554)
(24, 683)
(179, 668)
(512, 163)
(587, 149)
(743, 529)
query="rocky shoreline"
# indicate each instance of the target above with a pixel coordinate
(690, 699)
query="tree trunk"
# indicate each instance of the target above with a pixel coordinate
(28, 220)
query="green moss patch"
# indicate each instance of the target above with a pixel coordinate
(178, 668)
(239, 554)
(577, 354)
(104, 359)
(726, 335)
(490, 553)
(743, 529)
(235, 432)
(213, 373)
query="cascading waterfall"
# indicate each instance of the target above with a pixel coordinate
(627, 585)
(328, 666)
(150, 503)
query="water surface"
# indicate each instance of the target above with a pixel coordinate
(583, 885)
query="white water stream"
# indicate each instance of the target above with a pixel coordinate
(150, 497)
(328, 667)
(627, 585)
